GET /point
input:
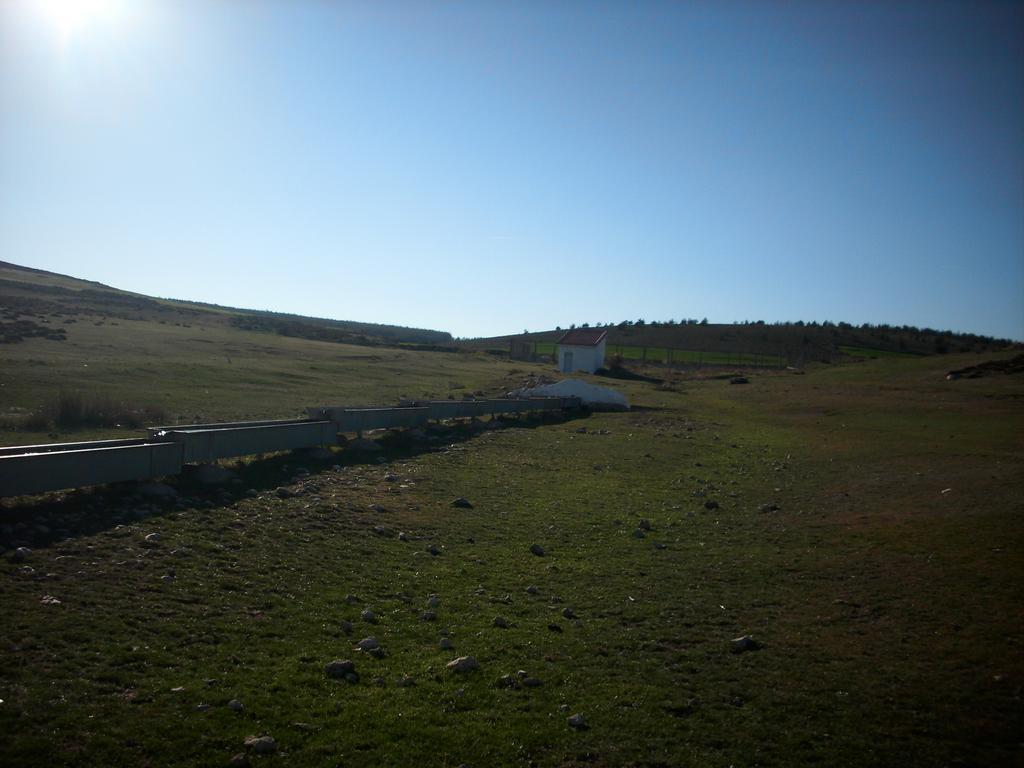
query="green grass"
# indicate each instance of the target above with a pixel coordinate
(889, 609)
(886, 588)
(664, 355)
(871, 353)
(211, 372)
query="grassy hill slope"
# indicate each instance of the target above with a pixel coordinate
(52, 302)
(798, 343)
(139, 359)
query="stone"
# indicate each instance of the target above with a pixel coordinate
(157, 491)
(433, 601)
(368, 644)
(709, 504)
(338, 668)
(568, 613)
(739, 380)
(362, 444)
(235, 705)
(508, 681)
(239, 761)
(152, 538)
(639, 534)
(262, 745)
(577, 721)
(645, 524)
(428, 616)
(532, 682)
(379, 508)
(212, 474)
(351, 599)
(403, 537)
(284, 493)
(368, 616)
(500, 622)
(769, 507)
(433, 550)
(537, 549)
(345, 626)
(405, 681)
(555, 627)
(391, 478)
(532, 590)
(463, 664)
(445, 644)
(21, 554)
(462, 503)
(744, 644)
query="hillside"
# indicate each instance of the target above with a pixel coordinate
(861, 523)
(35, 302)
(797, 343)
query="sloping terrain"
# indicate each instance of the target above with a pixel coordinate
(137, 355)
(58, 301)
(799, 343)
(862, 523)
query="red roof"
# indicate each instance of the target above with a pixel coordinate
(583, 337)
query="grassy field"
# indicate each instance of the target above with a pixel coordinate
(217, 373)
(678, 356)
(867, 534)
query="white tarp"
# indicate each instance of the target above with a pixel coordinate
(590, 394)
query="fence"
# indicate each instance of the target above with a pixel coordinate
(539, 350)
(30, 469)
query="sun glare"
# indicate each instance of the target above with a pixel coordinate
(70, 17)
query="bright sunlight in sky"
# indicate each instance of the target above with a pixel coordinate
(71, 18)
(483, 167)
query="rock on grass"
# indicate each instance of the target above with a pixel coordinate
(368, 644)
(577, 721)
(463, 664)
(262, 745)
(744, 644)
(339, 668)
(462, 503)
(537, 549)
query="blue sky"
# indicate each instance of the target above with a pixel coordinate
(487, 167)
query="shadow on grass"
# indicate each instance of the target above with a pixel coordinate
(41, 521)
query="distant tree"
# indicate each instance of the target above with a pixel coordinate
(640, 321)
(704, 321)
(585, 325)
(558, 327)
(572, 327)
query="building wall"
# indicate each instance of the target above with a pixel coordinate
(587, 359)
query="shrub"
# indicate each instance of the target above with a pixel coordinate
(73, 410)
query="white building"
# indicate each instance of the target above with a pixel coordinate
(581, 349)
